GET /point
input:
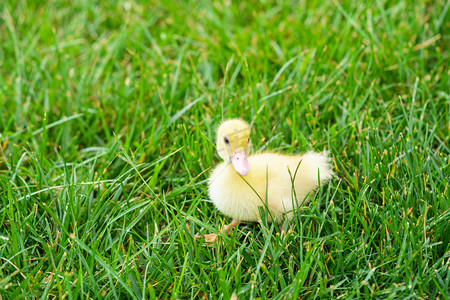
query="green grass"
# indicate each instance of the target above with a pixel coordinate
(107, 119)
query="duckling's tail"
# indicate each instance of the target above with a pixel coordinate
(314, 167)
(319, 164)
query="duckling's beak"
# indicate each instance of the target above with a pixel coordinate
(240, 163)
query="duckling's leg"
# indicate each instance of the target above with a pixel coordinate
(284, 227)
(231, 226)
(212, 237)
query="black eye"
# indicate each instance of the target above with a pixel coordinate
(225, 139)
(248, 140)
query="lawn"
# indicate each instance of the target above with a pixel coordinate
(107, 122)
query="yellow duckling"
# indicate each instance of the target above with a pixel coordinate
(243, 183)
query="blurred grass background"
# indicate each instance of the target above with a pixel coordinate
(107, 119)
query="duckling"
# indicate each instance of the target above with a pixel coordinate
(242, 183)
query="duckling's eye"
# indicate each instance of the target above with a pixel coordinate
(248, 140)
(225, 139)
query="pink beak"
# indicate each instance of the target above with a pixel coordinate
(240, 163)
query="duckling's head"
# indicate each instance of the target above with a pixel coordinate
(233, 144)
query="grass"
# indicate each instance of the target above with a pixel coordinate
(107, 138)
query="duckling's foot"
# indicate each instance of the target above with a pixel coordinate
(212, 237)
(231, 226)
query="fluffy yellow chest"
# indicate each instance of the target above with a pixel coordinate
(232, 195)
